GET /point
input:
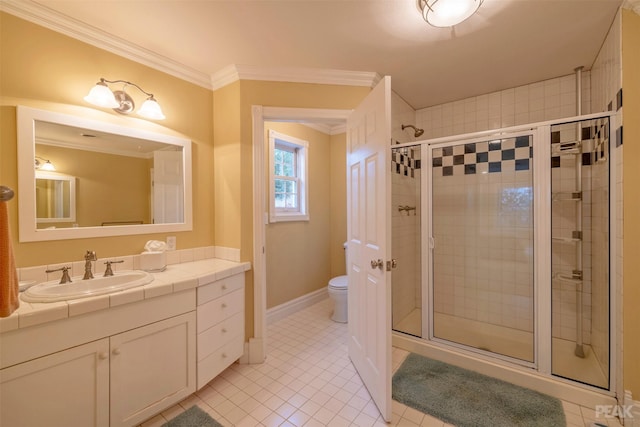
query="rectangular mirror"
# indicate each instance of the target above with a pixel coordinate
(109, 179)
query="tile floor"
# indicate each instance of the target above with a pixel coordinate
(308, 380)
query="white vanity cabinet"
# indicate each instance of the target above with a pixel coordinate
(69, 388)
(220, 312)
(116, 367)
(151, 369)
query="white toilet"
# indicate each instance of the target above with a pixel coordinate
(338, 293)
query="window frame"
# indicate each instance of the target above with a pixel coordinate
(300, 149)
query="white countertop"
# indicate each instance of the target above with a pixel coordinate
(176, 278)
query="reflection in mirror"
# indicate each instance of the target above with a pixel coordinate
(127, 180)
(55, 199)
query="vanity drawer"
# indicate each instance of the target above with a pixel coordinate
(218, 361)
(217, 310)
(220, 287)
(220, 334)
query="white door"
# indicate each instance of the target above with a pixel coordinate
(368, 232)
(168, 194)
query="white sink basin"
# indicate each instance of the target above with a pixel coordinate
(54, 291)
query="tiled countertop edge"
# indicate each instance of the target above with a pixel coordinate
(177, 277)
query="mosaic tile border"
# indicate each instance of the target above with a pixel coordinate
(510, 154)
(597, 133)
(405, 161)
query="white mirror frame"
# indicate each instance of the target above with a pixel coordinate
(28, 231)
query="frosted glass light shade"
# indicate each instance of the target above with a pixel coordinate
(151, 110)
(102, 96)
(447, 13)
(47, 166)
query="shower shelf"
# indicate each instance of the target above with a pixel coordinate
(566, 239)
(569, 196)
(566, 278)
(565, 148)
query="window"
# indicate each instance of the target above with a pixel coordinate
(288, 178)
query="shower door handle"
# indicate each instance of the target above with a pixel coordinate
(377, 264)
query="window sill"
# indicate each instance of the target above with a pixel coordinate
(288, 217)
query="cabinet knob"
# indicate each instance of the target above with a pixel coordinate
(224, 287)
(224, 330)
(103, 355)
(224, 355)
(224, 305)
(116, 351)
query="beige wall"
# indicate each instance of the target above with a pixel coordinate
(298, 252)
(234, 138)
(631, 179)
(45, 69)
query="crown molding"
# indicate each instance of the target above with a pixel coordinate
(633, 5)
(327, 128)
(49, 18)
(235, 72)
(56, 21)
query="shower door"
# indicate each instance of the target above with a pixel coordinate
(481, 227)
(406, 242)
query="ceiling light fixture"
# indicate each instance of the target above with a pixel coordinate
(102, 96)
(447, 13)
(46, 166)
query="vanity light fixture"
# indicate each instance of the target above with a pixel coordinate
(120, 101)
(44, 165)
(447, 13)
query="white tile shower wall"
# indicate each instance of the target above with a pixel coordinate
(600, 262)
(536, 102)
(406, 283)
(606, 72)
(606, 89)
(402, 114)
(483, 265)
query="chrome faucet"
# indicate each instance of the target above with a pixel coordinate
(65, 274)
(88, 267)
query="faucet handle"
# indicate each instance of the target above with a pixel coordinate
(65, 274)
(109, 271)
(90, 256)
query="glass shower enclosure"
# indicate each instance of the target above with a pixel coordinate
(470, 241)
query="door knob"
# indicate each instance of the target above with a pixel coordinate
(377, 264)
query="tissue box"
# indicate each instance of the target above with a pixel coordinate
(153, 261)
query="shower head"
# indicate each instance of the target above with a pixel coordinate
(417, 133)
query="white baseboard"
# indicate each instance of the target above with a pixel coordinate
(634, 420)
(253, 352)
(283, 310)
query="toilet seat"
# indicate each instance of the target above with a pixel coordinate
(339, 283)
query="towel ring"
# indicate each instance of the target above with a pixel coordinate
(6, 193)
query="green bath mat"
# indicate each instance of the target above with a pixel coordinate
(467, 399)
(192, 417)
